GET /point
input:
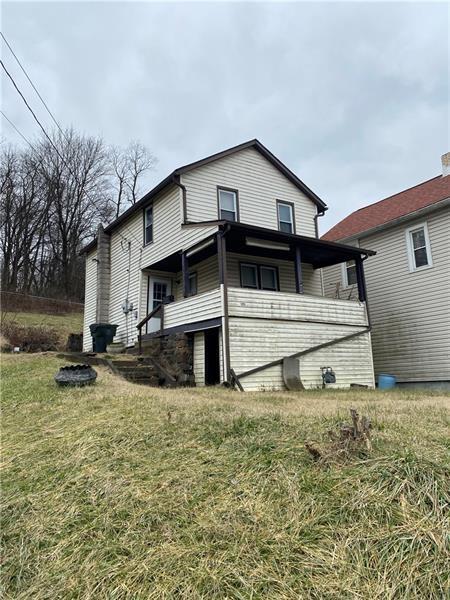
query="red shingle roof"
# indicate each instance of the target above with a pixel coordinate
(389, 209)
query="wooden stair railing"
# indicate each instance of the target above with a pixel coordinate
(145, 320)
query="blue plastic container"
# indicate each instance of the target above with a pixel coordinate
(386, 381)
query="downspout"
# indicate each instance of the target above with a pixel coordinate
(224, 287)
(320, 213)
(177, 181)
(369, 322)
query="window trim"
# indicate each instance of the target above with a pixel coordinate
(145, 225)
(257, 267)
(410, 247)
(292, 206)
(221, 188)
(344, 277)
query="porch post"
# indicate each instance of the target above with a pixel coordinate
(298, 271)
(185, 274)
(223, 281)
(360, 279)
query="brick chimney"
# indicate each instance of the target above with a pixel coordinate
(103, 275)
(445, 158)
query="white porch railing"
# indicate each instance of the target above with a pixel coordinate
(196, 308)
(294, 307)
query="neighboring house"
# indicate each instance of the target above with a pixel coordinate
(224, 253)
(408, 281)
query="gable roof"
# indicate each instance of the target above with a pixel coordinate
(256, 144)
(173, 177)
(399, 205)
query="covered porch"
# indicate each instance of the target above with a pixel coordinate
(257, 324)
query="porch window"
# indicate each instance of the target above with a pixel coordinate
(349, 273)
(259, 277)
(192, 284)
(285, 217)
(269, 279)
(148, 225)
(228, 204)
(419, 249)
(249, 276)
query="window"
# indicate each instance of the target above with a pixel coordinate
(159, 293)
(268, 278)
(192, 284)
(148, 225)
(228, 204)
(419, 249)
(259, 277)
(249, 276)
(285, 217)
(349, 273)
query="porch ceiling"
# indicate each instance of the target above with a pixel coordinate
(314, 251)
(318, 253)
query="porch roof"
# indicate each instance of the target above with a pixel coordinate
(267, 243)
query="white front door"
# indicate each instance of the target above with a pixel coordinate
(158, 289)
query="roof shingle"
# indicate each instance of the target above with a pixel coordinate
(391, 208)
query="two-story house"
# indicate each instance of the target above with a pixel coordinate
(408, 281)
(225, 252)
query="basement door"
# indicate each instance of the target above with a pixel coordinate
(212, 357)
(158, 289)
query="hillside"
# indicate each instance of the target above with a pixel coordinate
(120, 491)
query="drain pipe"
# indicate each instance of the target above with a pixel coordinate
(320, 213)
(177, 181)
(369, 322)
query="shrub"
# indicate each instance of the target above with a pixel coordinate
(30, 339)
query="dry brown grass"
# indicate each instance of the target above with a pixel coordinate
(120, 491)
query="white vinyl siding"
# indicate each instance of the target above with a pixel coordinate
(199, 358)
(259, 184)
(127, 249)
(278, 325)
(410, 311)
(196, 308)
(90, 300)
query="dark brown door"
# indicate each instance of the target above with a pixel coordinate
(212, 357)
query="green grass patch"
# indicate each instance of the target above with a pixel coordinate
(120, 491)
(63, 324)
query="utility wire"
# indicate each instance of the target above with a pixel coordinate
(46, 134)
(33, 113)
(16, 129)
(32, 84)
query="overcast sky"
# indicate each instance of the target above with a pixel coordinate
(353, 97)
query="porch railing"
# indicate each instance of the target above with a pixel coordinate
(146, 319)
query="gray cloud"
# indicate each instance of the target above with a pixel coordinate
(352, 97)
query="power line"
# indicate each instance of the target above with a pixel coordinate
(47, 136)
(16, 129)
(32, 84)
(33, 113)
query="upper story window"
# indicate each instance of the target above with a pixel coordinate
(259, 277)
(349, 273)
(419, 249)
(228, 204)
(148, 225)
(285, 217)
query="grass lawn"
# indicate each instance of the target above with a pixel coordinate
(120, 491)
(64, 324)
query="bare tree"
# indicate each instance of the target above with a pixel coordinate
(129, 165)
(52, 197)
